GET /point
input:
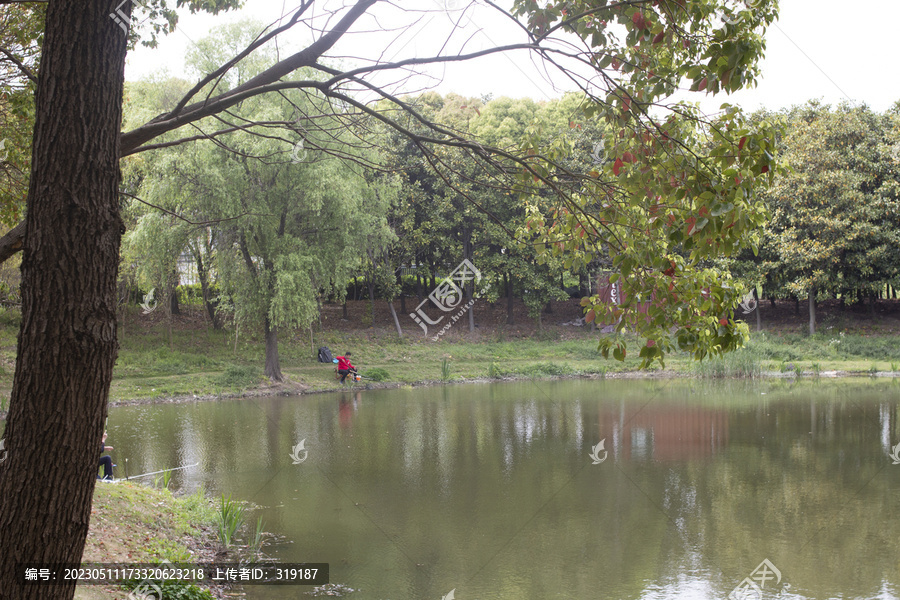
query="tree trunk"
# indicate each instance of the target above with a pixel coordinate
(345, 310)
(796, 306)
(396, 320)
(510, 319)
(402, 295)
(273, 364)
(812, 311)
(173, 296)
(772, 302)
(549, 308)
(208, 301)
(758, 310)
(872, 298)
(67, 342)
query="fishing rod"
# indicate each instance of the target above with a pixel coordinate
(155, 472)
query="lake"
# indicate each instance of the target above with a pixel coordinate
(606, 489)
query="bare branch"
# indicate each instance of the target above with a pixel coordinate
(25, 70)
(168, 212)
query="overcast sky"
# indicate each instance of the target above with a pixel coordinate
(819, 49)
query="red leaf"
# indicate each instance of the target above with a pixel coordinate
(589, 317)
(617, 166)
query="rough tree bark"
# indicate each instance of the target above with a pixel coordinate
(67, 344)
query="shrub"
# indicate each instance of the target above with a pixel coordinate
(378, 374)
(239, 376)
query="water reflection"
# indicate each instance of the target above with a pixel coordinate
(491, 490)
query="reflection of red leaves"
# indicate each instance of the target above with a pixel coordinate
(617, 166)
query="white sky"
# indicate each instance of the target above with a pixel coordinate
(819, 49)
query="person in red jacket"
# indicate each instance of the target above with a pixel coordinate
(344, 366)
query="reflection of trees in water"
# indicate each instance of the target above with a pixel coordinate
(703, 482)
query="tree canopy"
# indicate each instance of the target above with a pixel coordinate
(678, 189)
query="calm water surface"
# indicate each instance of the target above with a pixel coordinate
(491, 491)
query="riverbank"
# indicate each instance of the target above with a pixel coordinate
(133, 523)
(181, 358)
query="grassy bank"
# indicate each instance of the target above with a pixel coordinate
(132, 523)
(189, 358)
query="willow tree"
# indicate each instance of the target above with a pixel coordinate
(67, 344)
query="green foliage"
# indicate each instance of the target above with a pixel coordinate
(256, 541)
(239, 376)
(493, 371)
(547, 369)
(833, 226)
(670, 192)
(170, 589)
(741, 364)
(163, 480)
(229, 519)
(445, 370)
(378, 374)
(10, 317)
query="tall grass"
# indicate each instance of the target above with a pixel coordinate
(229, 519)
(742, 364)
(164, 480)
(257, 539)
(445, 370)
